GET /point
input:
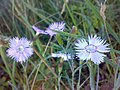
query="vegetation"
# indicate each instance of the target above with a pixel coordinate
(41, 71)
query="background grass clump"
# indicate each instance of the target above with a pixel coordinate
(41, 72)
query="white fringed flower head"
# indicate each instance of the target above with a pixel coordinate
(66, 57)
(57, 26)
(92, 49)
(20, 49)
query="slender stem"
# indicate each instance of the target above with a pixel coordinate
(116, 73)
(70, 65)
(72, 81)
(83, 83)
(80, 68)
(43, 60)
(79, 79)
(35, 75)
(63, 8)
(13, 11)
(92, 82)
(59, 78)
(26, 85)
(72, 75)
(13, 69)
(47, 45)
(72, 70)
(97, 77)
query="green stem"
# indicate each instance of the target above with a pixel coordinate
(72, 75)
(13, 69)
(59, 79)
(116, 73)
(79, 79)
(43, 60)
(35, 75)
(47, 45)
(80, 68)
(97, 77)
(92, 82)
(26, 85)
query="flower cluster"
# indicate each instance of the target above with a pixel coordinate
(51, 30)
(92, 48)
(20, 49)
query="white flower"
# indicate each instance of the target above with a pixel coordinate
(20, 49)
(57, 26)
(92, 49)
(38, 31)
(66, 57)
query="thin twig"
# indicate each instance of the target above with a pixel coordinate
(63, 8)
(47, 45)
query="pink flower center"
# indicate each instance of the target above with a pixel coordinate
(91, 48)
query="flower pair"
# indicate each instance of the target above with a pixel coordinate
(91, 49)
(56, 26)
(20, 49)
